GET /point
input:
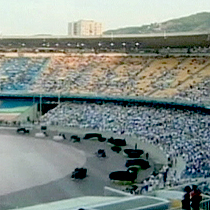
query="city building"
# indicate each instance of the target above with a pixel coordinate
(85, 28)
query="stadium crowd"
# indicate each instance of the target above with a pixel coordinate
(176, 132)
(73, 74)
(172, 77)
(198, 93)
(19, 74)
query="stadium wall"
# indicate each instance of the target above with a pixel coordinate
(108, 191)
(31, 113)
(128, 101)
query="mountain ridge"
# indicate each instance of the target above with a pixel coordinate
(199, 22)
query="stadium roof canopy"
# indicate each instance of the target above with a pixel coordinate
(154, 41)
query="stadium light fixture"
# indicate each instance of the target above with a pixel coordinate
(40, 104)
(164, 34)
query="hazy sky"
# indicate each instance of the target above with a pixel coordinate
(51, 16)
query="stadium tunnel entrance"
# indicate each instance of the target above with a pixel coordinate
(45, 107)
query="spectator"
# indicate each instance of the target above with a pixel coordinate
(196, 198)
(186, 200)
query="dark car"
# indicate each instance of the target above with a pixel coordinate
(144, 164)
(133, 153)
(129, 175)
(117, 142)
(23, 130)
(93, 135)
(116, 149)
(101, 153)
(102, 139)
(75, 138)
(79, 173)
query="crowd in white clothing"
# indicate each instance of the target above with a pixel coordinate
(176, 132)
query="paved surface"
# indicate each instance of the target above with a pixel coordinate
(35, 171)
(28, 162)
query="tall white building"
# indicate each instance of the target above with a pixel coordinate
(85, 28)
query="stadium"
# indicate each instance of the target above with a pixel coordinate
(137, 97)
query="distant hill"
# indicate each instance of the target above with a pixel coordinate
(194, 23)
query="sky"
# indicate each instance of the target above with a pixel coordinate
(29, 17)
